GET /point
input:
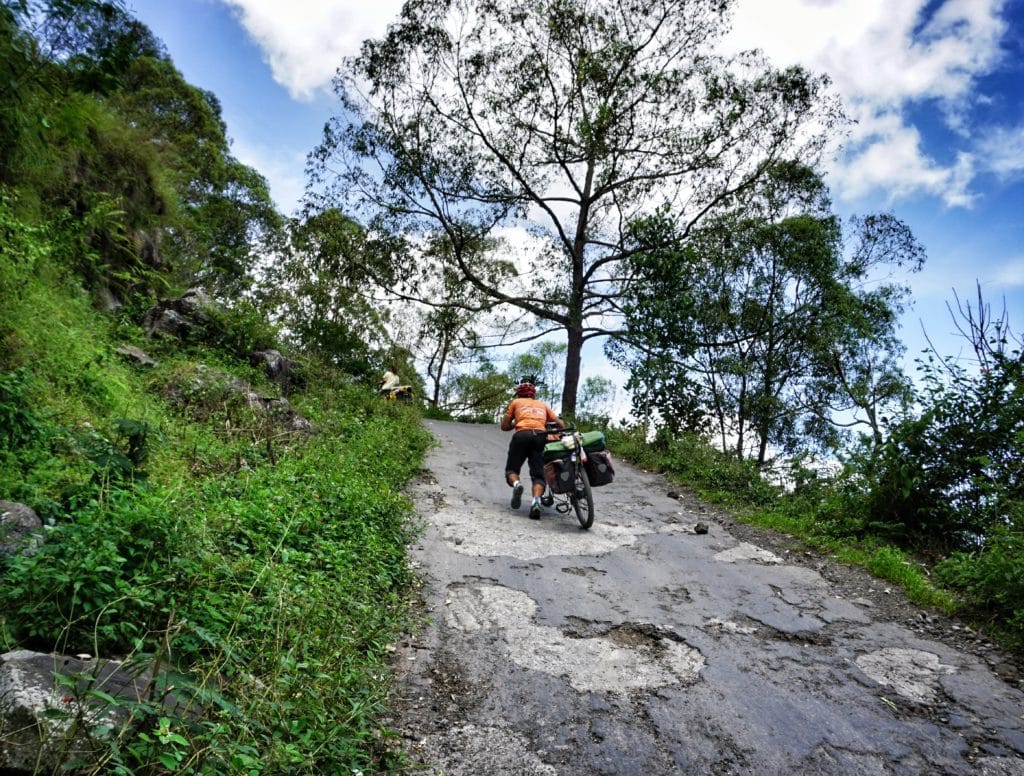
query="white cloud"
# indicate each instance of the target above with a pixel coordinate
(304, 41)
(283, 171)
(1002, 152)
(1010, 274)
(886, 155)
(885, 57)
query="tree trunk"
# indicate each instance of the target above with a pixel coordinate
(573, 358)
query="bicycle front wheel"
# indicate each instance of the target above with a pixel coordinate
(582, 498)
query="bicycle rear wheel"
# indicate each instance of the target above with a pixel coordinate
(582, 498)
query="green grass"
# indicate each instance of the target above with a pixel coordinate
(265, 574)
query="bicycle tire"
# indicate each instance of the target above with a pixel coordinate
(583, 504)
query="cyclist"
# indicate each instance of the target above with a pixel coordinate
(528, 416)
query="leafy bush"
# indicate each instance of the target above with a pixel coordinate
(102, 580)
(18, 422)
(241, 329)
(688, 458)
(276, 588)
(944, 480)
(22, 247)
(991, 578)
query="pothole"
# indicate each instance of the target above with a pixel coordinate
(747, 552)
(641, 635)
(587, 571)
(911, 673)
(677, 593)
(473, 749)
(717, 625)
(591, 658)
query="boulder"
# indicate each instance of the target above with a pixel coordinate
(182, 318)
(47, 723)
(137, 355)
(284, 372)
(21, 530)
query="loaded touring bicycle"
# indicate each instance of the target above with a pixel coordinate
(574, 465)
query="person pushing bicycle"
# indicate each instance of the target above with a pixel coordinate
(528, 416)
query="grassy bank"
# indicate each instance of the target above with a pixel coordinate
(263, 573)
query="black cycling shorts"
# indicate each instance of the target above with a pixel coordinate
(527, 446)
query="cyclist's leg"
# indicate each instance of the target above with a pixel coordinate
(536, 459)
(518, 451)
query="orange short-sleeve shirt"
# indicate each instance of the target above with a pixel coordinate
(529, 415)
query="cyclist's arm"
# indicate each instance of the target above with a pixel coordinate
(506, 421)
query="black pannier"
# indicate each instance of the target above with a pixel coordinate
(599, 468)
(559, 475)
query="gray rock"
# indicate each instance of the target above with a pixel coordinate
(182, 318)
(21, 530)
(47, 723)
(137, 355)
(278, 368)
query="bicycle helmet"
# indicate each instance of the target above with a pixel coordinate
(526, 390)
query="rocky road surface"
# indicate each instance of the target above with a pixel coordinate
(642, 647)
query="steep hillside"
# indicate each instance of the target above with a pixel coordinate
(257, 566)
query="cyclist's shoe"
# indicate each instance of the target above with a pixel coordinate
(547, 499)
(535, 511)
(517, 494)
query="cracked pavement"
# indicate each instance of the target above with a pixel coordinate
(642, 647)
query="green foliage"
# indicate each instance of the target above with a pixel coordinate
(689, 459)
(240, 329)
(944, 479)
(101, 581)
(23, 247)
(288, 577)
(760, 326)
(594, 406)
(18, 422)
(261, 574)
(480, 396)
(991, 578)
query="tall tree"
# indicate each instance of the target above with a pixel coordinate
(567, 119)
(318, 286)
(763, 325)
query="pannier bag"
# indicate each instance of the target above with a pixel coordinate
(599, 468)
(558, 474)
(593, 442)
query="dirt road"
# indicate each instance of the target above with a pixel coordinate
(641, 647)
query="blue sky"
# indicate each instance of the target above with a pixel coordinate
(936, 88)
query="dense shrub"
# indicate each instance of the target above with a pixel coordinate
(947, 478)
(991, 578)
(690, 459)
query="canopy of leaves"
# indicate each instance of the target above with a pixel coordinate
(759, 324)
(101, 132)
(570, 120)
